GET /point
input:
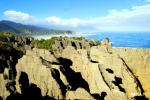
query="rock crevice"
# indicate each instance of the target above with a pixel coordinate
(78, 72)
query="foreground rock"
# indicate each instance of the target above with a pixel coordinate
(95, 72)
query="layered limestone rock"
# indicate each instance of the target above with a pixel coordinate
(3, 91)
(102, 71)
(36, 66)
(8, 59)
(99, 72)
(55, 79)
(82, 64)
(115, 72)
(116, 95)
(107, 45)
(78, 94)
(58, 46)
(138, 60)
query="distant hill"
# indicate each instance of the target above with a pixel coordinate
(5, 27)
(28, 29)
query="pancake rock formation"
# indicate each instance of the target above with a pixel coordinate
(73, 72)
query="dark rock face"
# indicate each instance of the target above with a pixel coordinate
(8, 59)
(16, 38)
(9, 55)
(4, 39)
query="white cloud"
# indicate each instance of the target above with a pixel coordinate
(134, 19)
(53, 19)
(19, 16)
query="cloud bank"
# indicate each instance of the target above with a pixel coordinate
(134, 19)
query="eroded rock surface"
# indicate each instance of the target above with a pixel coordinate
(97, 72)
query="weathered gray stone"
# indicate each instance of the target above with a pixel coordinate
(28, 47)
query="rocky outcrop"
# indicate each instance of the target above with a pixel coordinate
(9, 55)
(97, 72)
(139, 63)
(110, 71)
(59, 46)
(8, 60)
(39, 72)
(24, 40)
(49, 74)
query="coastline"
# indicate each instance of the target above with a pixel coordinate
(128, 40)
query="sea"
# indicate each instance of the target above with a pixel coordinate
(118, 39)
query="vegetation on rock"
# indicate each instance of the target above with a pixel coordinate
(77, 38)
(47, 43)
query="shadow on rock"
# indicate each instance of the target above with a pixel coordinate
(140, 98)
(29, 91)
(98, 97)
(117, 82)
(74, 78)
(56, 76)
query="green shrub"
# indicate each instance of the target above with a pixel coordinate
(77, 38)
(9, 34)
(98, 43)
(4, 45)
(44, 44)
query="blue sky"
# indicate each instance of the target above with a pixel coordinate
(80, 15)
